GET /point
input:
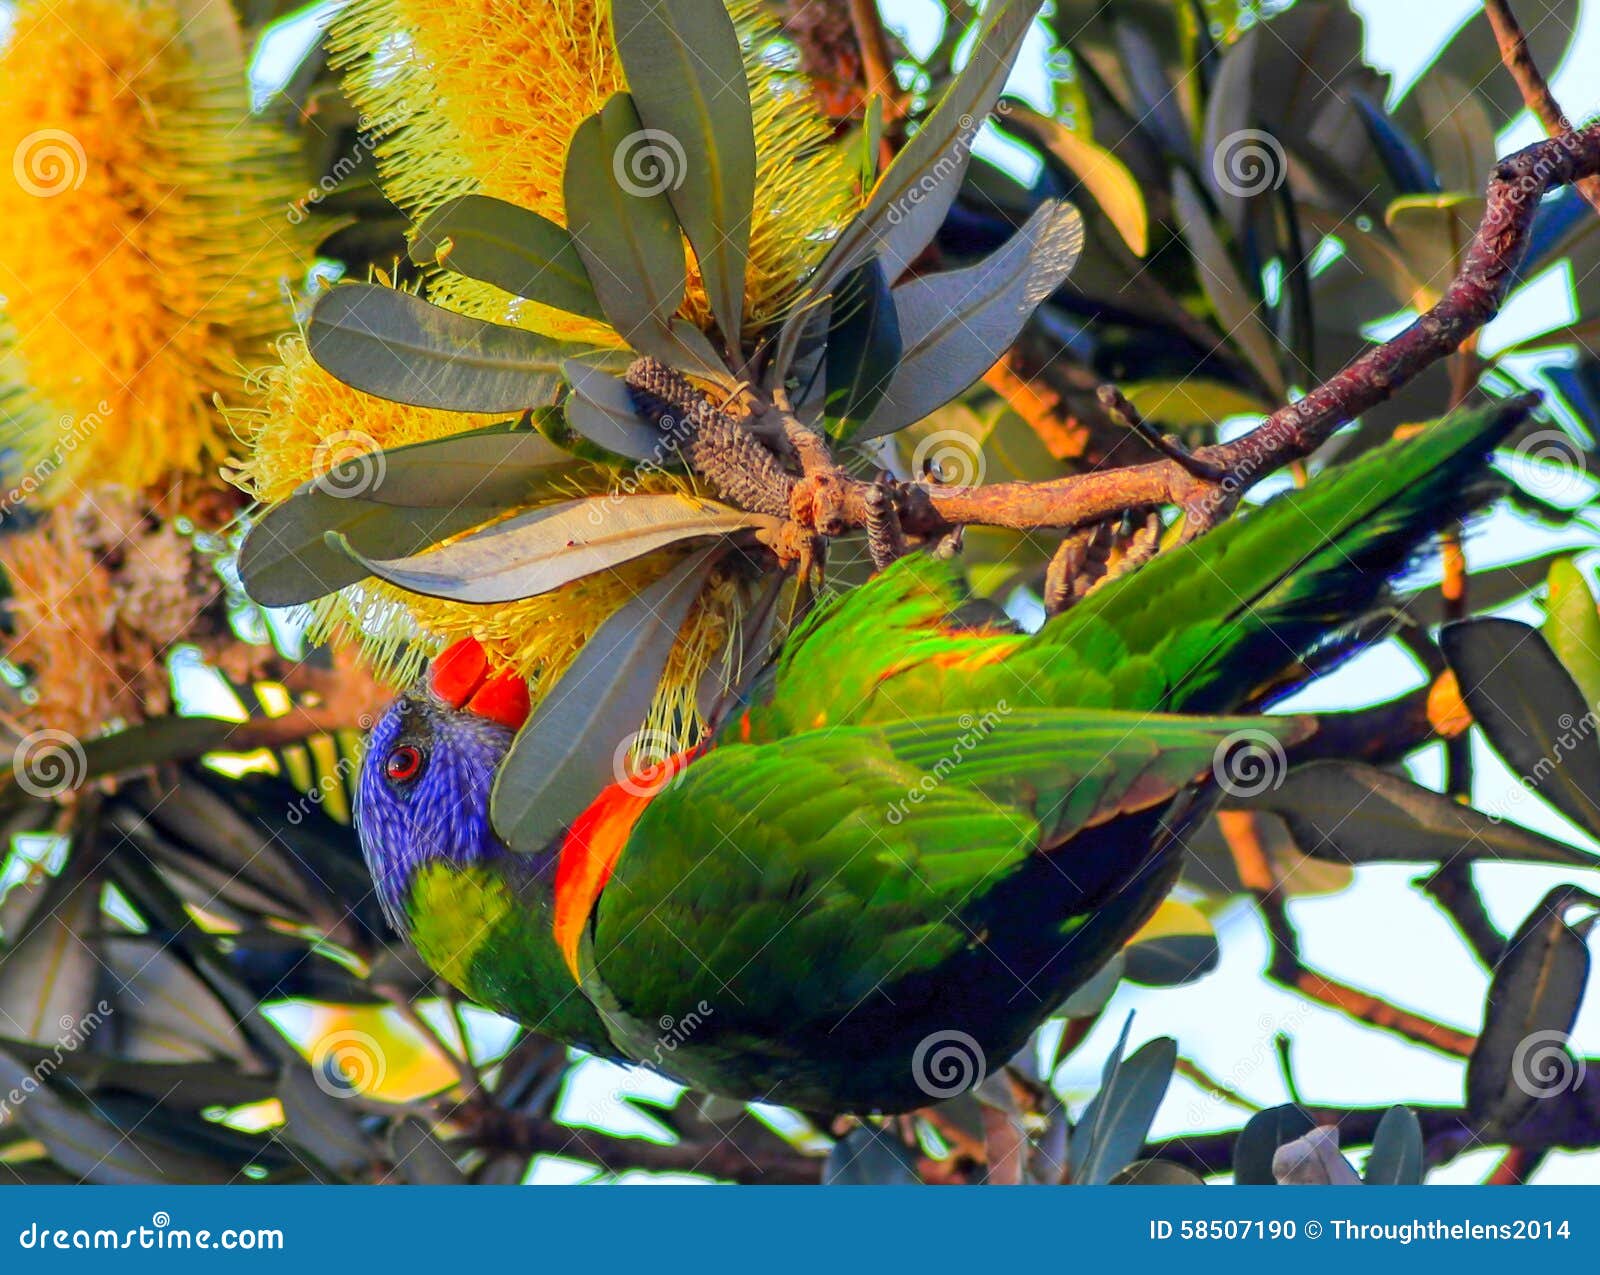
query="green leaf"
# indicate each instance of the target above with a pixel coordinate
(628, 237)
(1173, 960)
(1156, 1173)
(909, 203)
(1530, 710)
(567, 750)
(1238, 307)
(1521, 1055)
(1102, 174)
(1572, 627)
(496, 466)
(1396, 1156)
(513, 248)
(1259, 1140)
(47, 973)
(685, 70)
(545, 549)
(1433, 232)
(870, 1155)
(953, 326)
(163, 1012)
(319, 1119)
(863, 348)
(1117, 1122)
(1352, 813)
(600, 409)
(404, 349)
(285, 559)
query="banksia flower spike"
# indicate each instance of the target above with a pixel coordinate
(146, 251)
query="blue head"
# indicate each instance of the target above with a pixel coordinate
(423, 793)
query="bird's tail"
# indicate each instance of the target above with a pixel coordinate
(1244, 611)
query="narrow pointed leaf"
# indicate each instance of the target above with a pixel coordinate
(1156, 1173)
(47, 973)
(628, 238)
(497, 466)
(909, 203)
(954, 326)
(686, 73)
(1105, 177)
(600, 409)
(1572, 627)
(513, 248)
(404, 349)
(1117, 1121)
(542, 550)
(1531, 711)
(285, 559)
(1352, 813)
(1396, 1157)
(1522, 1054)
(565, 753)
(1259, 1140)
(863, 348)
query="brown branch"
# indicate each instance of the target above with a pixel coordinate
(1535, 89)
(494, 1129)
(877, 64)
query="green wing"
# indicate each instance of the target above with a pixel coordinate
(786, 883)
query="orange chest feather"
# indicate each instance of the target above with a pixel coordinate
(594, 844)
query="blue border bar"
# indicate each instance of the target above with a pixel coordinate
(567, 1230)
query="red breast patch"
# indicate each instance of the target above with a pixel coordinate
(461, 678)
(594, 844)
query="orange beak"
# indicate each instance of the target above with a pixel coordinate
(462, 679)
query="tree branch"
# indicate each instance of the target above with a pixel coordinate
(1535, 89)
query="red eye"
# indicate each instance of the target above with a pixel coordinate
(404, 764)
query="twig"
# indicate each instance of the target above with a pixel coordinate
(1535, 89)
(1127, 415)
(877, 66)
(494, 1129)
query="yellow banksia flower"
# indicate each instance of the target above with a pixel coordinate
(146, 245)
(302, 406)
(482, 97)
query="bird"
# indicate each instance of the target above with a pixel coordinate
(920, 829)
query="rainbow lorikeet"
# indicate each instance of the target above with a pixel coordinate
(913, 832)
